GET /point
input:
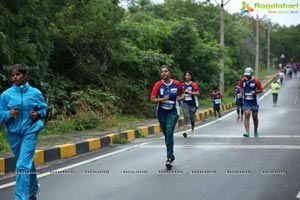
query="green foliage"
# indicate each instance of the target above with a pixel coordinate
(24, 34)
(140, 134)
(94, 59)
(118, 140)
(94, 100)
(4, 146)
(285, 39)
(184, 42)
(232, 76)
(87, 122)
(58, 126)
(85, 39)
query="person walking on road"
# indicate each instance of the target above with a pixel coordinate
(216, 97)
(275, 87)
(22, 109)
(238, 102)
(166, 93)
(250, 87)
(190, 101)
(281, 76)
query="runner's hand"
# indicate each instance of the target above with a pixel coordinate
(14, 112)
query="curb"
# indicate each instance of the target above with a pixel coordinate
(58, 152)
(42, 156)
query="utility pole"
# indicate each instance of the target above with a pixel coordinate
(257, 47)
(221, 81)
(268, 53)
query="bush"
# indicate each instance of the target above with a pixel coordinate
(87, 122)
(140, 134)
(118, 140)
(58, 126)
(4, 146)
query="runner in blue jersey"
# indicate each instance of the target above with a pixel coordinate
(238, 102)
(166, 93)
(216, 97)
(190, 101)
(250, 87)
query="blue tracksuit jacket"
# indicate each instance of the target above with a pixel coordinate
(23, 133)
(26, 99)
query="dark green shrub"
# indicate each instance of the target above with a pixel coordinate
(87, 122)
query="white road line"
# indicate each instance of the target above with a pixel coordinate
(179, 146)
(267, 93)
(218, 120)
(298, 196)
(239, 136)
(228, 146)
(207, 124)
(79, 164)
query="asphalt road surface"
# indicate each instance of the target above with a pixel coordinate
(215, 163)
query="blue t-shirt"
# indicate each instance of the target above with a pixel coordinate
(162, 89)
(190, 99)
(237, 91)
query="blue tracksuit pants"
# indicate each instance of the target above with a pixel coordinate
(23, 146)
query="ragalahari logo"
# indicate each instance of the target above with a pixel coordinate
(246, 8)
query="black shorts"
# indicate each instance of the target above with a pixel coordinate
(238, 103)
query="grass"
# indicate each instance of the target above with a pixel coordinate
(66, 129)
(140, 134)
(118, 140)
(263, 73)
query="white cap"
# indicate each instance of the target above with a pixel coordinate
(248, 71)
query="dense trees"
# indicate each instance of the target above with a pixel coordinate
(113, 53)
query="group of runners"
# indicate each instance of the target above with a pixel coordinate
(168, 92)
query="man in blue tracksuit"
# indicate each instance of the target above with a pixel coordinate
(22, 108)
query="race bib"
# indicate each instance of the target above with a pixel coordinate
(167, 105)
(174, 90)
(217, 101)
(187, 97)
(249, 96)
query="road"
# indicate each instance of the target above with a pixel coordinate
(215, 163)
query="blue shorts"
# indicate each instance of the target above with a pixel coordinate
(214, 105)
(251, 105)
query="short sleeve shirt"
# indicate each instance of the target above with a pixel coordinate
(161, 89)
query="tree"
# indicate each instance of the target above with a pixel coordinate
(86, 38)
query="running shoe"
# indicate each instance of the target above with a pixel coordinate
(184, 134)
(246, 134)
(172, 158)
(169, 163)
(34, 197)
(255, 135)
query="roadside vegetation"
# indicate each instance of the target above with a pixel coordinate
(96, 61)
(94, 123)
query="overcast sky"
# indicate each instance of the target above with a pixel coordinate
(287, 19)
